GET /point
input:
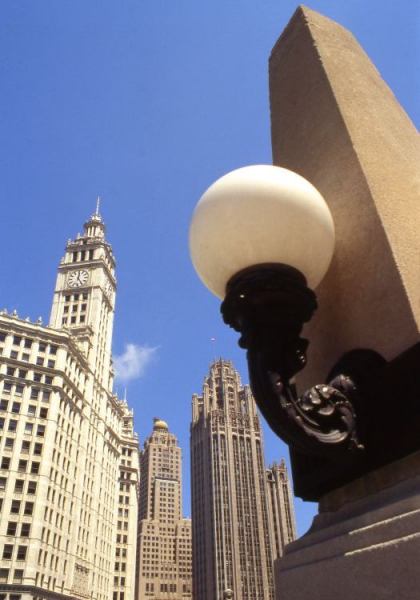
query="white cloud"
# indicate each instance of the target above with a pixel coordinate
(132, 363)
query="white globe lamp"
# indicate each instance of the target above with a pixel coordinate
(256, 215)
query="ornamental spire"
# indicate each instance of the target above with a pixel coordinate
(98, 203)
(97, 215)
(95, 226)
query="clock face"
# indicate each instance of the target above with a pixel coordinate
(108, 289)
(77, 278)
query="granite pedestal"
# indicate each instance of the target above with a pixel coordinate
(364, 544)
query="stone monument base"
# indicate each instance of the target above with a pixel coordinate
(363, 544)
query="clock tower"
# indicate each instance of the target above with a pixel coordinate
(84, 296)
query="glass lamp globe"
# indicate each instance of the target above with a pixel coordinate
(257, 215)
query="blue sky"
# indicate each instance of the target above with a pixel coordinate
(147, 102)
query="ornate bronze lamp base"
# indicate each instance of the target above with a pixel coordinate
(367, 415)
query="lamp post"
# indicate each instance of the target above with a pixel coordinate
(261, 239)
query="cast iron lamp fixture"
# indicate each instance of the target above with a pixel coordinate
(261, 239)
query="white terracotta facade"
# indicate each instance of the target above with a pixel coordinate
(68, 453)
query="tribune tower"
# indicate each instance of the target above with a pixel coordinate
(237, 512)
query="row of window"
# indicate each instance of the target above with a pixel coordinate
(15, 409)
(17, 575)
(12, 529)
(40, 361)
(28, 342)
(82, 255)
(36, 393)
(8, 552)
(16, 508)
(70, 297)
(75, 307)
(73, 320)
(29, 427)
(14, 372)
(19, 486)
(121, 539)
(25, 447)
(22, 465)
(22, 374)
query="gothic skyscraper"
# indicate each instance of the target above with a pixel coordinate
(68, 452)
(280, 508)
(233, 542)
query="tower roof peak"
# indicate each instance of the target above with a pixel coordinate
(95, 226)
(159, 424)
(97, 215)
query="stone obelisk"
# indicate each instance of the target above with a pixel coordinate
(336, 122)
